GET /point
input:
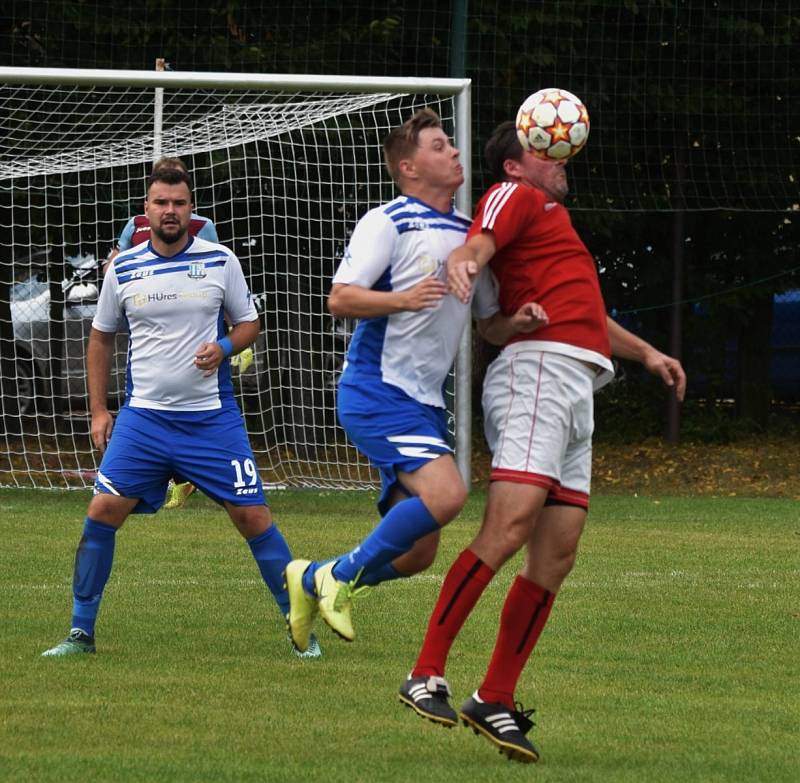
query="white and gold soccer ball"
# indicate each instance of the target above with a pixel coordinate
(553, 124)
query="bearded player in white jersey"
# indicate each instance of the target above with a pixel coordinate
(390, 397)
(180, 415)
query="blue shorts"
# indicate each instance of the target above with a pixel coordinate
(209, 448)
(393, 430)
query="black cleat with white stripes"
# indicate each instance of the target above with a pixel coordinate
(504, 728)
(427, 696)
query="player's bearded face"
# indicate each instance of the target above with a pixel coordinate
(169, 210)
(549, 176)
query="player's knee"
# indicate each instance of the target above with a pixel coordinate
(250, 521)
(108, 509)
(565, 563)
(513, 530)
(563, 559)
(447, 503)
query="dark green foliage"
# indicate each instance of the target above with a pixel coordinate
(691, 109)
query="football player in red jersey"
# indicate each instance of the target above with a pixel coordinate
(538, 411)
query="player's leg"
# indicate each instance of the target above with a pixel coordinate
(511, 510)
(212, 451)
(132, 477)
(272, 555)
(551, 552)
(267, 545)
(408, 534)
(94, 558)
(492, 710)
(524, 469)
(407, 441)
(441, 489)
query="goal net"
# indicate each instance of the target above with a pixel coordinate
(284, 168)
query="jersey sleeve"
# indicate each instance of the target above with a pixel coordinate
(209, 232)
(126, 237)
(485, 302)
(369, 252)
(505, 210)
(109, 315)
(238, 302)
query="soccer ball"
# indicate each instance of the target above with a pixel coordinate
(553, 124)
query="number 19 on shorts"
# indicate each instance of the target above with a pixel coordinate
(246, 482)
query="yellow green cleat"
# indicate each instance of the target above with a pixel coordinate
(335, 598)
(178, 495)
(302, 606)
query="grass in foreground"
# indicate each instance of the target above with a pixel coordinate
(671, 654)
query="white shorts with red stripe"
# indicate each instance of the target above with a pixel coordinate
(539, 416)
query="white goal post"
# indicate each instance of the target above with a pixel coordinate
(283, 164)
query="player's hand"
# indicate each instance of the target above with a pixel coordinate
(460, 275)
(529, 317)
(102, 424)
(208, 358)
(669, 370)
(427, 293)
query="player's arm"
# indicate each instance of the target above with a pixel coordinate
(367, 258)
(499, 328)
(464, 263)
(353, 301)
(99, 353)
(626, 345)
(209, 356)
(239, 311)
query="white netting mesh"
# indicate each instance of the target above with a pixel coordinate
(283, 176)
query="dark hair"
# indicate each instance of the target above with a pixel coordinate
(503, 145)
(170, 175)
(402, 141)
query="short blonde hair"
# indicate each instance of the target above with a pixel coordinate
(402, 141)
(169, 163)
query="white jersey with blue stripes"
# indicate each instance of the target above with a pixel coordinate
(394, 247)
(170, 306)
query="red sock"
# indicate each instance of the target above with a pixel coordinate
(463, 585)
(524, 615)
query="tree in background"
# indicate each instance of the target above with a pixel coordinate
(690, 104)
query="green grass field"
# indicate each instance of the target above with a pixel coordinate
(672, 653)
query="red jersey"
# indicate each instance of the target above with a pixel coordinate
(540, 258)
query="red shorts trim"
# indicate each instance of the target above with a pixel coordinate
(523, 477)
(571, 497)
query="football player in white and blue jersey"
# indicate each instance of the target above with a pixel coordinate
(390, 397)
(180, 416)
(137, 231)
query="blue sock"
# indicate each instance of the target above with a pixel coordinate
(396, 533)
(308, 576)
(384, 573)
(93, 562)
(272, 555)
